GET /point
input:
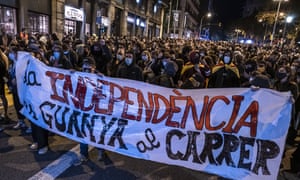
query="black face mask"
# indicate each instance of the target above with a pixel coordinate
(281, 75)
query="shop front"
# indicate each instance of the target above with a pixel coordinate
(135, 25)
(73, 20)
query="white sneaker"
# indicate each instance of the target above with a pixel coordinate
(34, 146)
(43, 150)
(19, 125)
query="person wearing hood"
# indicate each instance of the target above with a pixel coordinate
(252, 77)
(102, 55)
(166, 78)
(70, 54)
(284, 83)
(129, 69)
(194, 73)
(225, 74)
(58, 59)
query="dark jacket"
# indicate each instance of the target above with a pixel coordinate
(224, 76)
(102, 56)
(164, 80)
(132, 71)
(3, 71)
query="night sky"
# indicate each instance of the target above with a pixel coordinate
(225, 11)
(229, 10)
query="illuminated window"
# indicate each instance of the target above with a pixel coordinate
(70, 26)
(39, 23)
(155, 8)
(8, 19)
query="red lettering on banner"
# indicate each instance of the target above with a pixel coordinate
(210, 106)
(97, 96)
(112, 98)
(128, 102)
(67, 88)
(154, 109)
(166, 111)
(54, 76)
(80, 93)
(253, 112)
(143, 105)
(237, 104)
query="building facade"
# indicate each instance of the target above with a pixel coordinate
(111, 18)
(183, 19)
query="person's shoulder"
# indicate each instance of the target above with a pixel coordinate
(293, 83)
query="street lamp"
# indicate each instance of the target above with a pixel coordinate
(208, 15)
(288, 20)
(276, 18)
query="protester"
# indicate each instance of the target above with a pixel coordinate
(57, 57)
(166, 78)
(88, 66)
(193, 74)
(283, 84)
(3, 80)
(252, 77)
(70, 54)
(12, 56)
(39, 135)
(129, 69)
(102, 55)
(225, 74)
(146, 64)
(119, 59)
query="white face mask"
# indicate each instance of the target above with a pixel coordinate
(164, 63)
(128, 61)
(226, 59)
(119, 57)
(145, 58)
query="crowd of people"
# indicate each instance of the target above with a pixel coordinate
(172, 63)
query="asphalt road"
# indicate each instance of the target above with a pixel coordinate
(18, 162)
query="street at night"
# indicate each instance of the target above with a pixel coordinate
(150, 89)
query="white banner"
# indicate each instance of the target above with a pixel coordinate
(235, 133)
(73, 13)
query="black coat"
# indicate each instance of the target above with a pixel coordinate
(133, 72)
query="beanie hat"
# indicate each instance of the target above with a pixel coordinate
(195, 57)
